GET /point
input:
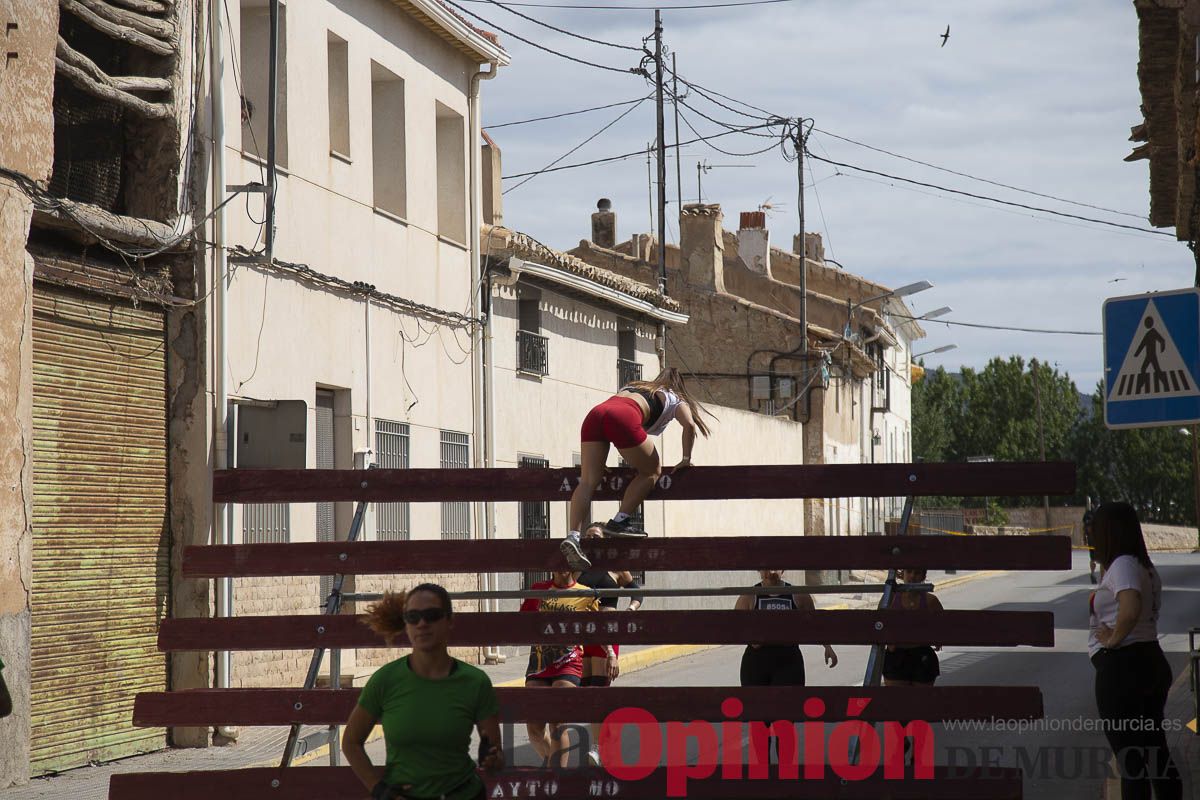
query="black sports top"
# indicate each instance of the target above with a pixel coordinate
(775, 602)
(652, 398)
(600, 579)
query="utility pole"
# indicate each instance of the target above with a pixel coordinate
(1196, 479)
(803, 256)
(678, 152)
(1037, 393)
(662, 155)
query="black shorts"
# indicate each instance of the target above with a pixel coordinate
(915, 664)
(596, 680)
(569, 678)
(772, 665)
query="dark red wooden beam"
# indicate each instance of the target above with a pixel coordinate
(325, 707)
(339, 783)
(659, 553)
(963, 628)
(696, 483)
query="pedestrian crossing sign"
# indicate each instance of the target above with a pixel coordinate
(1152, 359)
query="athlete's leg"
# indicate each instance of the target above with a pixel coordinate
(592, 458)
(644, 459)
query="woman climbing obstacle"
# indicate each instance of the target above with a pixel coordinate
(639, 410)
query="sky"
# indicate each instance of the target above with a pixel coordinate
(1037, 94)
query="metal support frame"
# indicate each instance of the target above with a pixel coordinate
(725, 591)
(874, 673)
(1194, 659)
(333, 605)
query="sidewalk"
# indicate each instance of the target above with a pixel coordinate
(259, 747)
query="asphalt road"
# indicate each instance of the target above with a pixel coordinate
(1061, 759)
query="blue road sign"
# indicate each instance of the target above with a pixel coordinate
(1152, 359)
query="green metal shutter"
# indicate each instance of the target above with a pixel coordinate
(101, 550)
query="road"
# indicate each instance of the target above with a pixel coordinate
(1061, 759)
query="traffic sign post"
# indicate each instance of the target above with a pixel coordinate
(1152, 359)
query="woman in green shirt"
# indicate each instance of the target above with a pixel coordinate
(428, 703)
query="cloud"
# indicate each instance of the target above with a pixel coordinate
(1033, 93)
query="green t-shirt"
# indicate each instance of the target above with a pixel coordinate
(427, 726)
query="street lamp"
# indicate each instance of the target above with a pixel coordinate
(903, 291)
(946, 348)
(937, 312)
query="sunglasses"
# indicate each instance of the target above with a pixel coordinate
(430, 615)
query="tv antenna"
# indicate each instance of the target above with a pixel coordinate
(703, 167)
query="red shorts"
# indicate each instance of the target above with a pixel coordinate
(551, 662)
(618, 420)
(597, 651)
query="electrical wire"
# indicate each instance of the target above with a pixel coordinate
(537, 21)
(692, 128)
(566, 114)
(531, 43)
(619, 117)
(976, 177)
(624, 156)
(657, 7)
(830, 161)
(1014, 329)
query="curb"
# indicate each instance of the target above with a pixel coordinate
(950, 583)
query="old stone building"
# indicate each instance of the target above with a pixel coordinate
(848, 387)
(1168, 33)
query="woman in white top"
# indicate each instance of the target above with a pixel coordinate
(1132, 674)
(640, 410)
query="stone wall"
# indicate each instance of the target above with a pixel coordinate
(26, 146)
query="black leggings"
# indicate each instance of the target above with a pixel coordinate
(1132, 683)
(773, 665)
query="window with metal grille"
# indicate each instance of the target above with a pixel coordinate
(535, 517)
(266, 523)
(532, 348)
(628, 369)
(456, 454)
(391, 452)
(881, 383)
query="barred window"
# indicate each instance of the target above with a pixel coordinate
(456, 516)
(535, 518)
(266, 523)
(391, 452)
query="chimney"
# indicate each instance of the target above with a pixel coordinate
(814, 248)
(604, 224)
(493, 204)
(754, 242)
(702, 246)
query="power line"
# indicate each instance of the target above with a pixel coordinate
(623, 156)
(985, 197)
(620, 117)
(564, 114)
(531, 43)
(537, 21)
(660, 6)
(774, 143)
(976, 177)
(1000, 327)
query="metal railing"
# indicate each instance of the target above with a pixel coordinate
(533, 353)
(627, 371)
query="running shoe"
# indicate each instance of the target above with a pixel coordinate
(576, 560)
(625, 529)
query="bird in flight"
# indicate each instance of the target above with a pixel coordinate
(946, 36)
(1117, 280)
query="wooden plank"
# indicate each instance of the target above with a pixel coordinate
(339, 783)
(656, 554)
(889, 626)
(696, 483)
(202, 707)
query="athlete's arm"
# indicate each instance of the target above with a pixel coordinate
(358, 727)
(491, 746)
(805, 602)
(683, 415)
(1129, 608)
